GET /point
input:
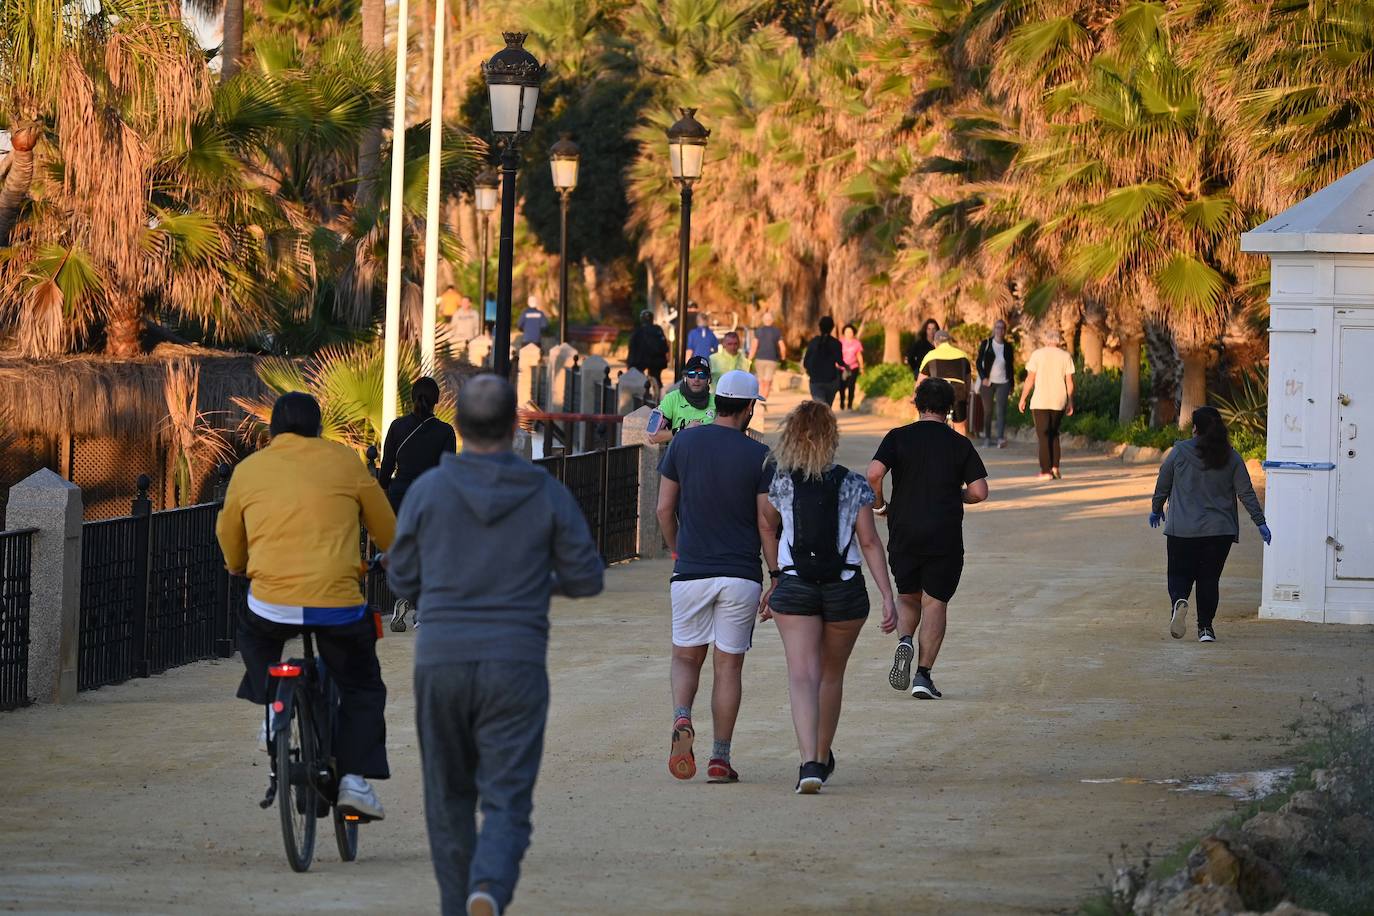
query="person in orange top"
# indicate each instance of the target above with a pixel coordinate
(290, 523)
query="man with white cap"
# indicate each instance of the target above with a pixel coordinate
(707, 507)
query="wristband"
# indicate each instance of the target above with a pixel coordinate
(774, 573)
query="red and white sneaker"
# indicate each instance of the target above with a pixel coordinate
(682, 763)
(720, 771)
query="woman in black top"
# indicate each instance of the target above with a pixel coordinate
(415, 442)
(923, 344)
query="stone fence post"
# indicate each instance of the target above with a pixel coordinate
(592, 378)
(632, 432)
(528, 361)
(52, 505)
(629, 386)
(557, 365)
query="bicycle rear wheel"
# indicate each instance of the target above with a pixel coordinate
(346, 835)
(295, 792)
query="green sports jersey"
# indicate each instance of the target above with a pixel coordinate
(677, 412)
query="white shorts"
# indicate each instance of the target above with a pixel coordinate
(718, 610)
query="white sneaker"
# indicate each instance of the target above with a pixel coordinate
(480, 903)
(1178, 621)
(357, 797)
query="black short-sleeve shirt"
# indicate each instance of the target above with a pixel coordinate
(930, 464)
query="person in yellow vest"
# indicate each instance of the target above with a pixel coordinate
(728, 358)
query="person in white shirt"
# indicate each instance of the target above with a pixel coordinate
(463, 325)
(1049, 386)
(996, 373)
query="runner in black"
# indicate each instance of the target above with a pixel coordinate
(935, 472)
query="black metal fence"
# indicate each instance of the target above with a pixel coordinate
(605, 484)
(154, 592)
(16, 576)
(646, 398)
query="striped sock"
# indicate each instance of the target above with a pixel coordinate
(682, 712)
(720, 750)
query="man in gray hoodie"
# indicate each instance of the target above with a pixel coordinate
(482, 542)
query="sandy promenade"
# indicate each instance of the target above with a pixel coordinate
(142, 798)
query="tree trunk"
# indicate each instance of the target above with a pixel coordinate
(1130, 380)
(369, 152)
(1090, 343)
(1194, 385)
(18, 179)
(892, 342)
(231, 51)
(123, 326)
(1159, 344)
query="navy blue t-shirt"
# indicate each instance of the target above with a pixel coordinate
(720, 473)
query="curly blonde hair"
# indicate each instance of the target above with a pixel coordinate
(807, 440)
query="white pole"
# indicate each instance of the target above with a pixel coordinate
(432, 214)
(391, 354)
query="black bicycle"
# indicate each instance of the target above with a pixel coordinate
(304, 780)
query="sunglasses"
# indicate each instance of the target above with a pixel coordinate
(696, 373)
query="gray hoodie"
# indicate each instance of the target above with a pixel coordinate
(482, 541)
(1202, 501)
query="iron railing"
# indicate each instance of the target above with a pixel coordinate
(605, 485)
(16, 577)
(647, 398)
(154, 592)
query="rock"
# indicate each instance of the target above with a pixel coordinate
(1155, 894)
(1284, 909)
(1282, 835)
(1308, 803)
(1337, 784)
(1356, 830)
(1141, 454)
(1203, 900)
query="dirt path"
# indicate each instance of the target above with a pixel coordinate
(142, 798)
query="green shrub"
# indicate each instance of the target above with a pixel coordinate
(888, 380)
(967, 337)
(872, 336)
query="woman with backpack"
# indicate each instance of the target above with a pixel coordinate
(816, 522)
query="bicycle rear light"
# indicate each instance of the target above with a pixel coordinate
(284, 670)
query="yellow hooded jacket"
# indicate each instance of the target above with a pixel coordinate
(290, 520)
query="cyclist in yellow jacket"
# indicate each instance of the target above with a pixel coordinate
(290, 523)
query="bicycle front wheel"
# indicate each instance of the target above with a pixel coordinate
(295, 792)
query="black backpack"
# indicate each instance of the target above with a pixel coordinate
(815, 524)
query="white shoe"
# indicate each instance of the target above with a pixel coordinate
(357, 797)
(480, 903)
(1178, 621)
(262, 736)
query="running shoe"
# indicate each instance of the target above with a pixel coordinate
(398, 616)
(900, 675)
(1044, 477)
(829, 768)
(720, 771)
(1178, 620)
(923, 688)
(480, 903)
(1206, 634)
(1054, 472)
(682, 763)
(810, 778)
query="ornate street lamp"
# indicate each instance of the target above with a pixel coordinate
(485, 189)
(564, 157)
(513, 76)
(686, 155)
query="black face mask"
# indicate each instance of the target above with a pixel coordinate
(697, 400)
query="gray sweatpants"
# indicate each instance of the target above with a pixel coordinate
(481, 730)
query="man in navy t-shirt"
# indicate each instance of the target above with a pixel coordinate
(712, 476)
(533, 322)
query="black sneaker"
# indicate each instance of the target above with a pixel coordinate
(810, 778)
(398, 616)
(1178, 619)
(1206, 634)
(900, 675)
(923, 688)
(829, 768)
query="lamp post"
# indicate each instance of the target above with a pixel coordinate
(686, 154)
(513, 76)
(485, 187)
(563, 160)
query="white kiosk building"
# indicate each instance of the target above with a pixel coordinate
(1320, 467)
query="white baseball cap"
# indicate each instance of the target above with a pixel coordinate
(739, 384)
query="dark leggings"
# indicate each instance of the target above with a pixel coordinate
(1047, 431)
(1198, 560)
(847, 390)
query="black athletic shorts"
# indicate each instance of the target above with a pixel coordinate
(833, 602)
(936, 576)
(960, 409)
